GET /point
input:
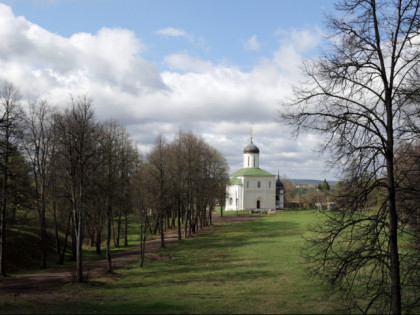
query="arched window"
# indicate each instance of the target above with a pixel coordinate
(269, 185)
(248, 160)
(259, 184)
(230, 201)
(247, 184)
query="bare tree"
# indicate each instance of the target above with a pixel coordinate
(39, 140)
(159, 180)
(218, 178)
(191, 155)
(76, 147)
(109, 134)
(118, 158)
(140, 189)
(355, 95)
(178, 174)
(10, 137)
(127, 160)
(58, 194)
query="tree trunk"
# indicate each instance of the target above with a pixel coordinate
(210, 214)
(162, 232)
(156, 227)
(179, 221)
(148, 224)
(79, 246)
(78, 211)
(126, 229)
(113, 232)
(57, 238)
(143, 233)
(117, 245)
(43, 237)
(98, 241)
(63, 253)
(73, 240)
(186, 224)
(393, 224)
(108, 237)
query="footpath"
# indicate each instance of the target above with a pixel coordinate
(50, 280)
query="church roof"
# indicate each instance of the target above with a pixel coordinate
(279, 183)
(235, 181)
(251, 148)
(251, 171)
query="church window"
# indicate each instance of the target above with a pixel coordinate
(247, 184)
(248, 160)
(259, 184)
(269, 185)
(230, 201)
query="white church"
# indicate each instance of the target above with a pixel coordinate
(252, 187)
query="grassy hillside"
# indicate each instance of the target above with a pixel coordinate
(23, 247)
(249, 267)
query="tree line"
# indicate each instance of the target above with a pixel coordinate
(84, 178)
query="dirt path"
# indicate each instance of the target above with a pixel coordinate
(49, 280)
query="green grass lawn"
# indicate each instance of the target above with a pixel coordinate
(249, 267)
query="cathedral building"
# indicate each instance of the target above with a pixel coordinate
(253, 188)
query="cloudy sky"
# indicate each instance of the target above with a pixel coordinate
(214, 67)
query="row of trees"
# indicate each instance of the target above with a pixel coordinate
(181, 181)
(72, 169)
(84, 178)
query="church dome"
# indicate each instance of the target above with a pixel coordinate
(251, 148)
(279, 184)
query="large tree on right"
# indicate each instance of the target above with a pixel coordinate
(360, 95)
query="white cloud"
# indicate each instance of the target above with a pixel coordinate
(301, 40)
(184, 62)
(47, 62)
(220, 102)
(171, 32)
(197, 41)
(252, 44)
(293, 44)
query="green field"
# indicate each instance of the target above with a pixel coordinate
(249, 267)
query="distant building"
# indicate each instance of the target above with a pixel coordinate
(279, 194)
(330, 206)
(252, 187)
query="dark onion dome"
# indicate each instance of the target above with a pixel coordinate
(251, 148)
(279, 184)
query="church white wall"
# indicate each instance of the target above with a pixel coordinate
(280, 202)
(282, 199)
(242, 197)
(234, 197)
(266, 193)
(251, 160)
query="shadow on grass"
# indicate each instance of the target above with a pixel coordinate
(227, 268)
(212, 257)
